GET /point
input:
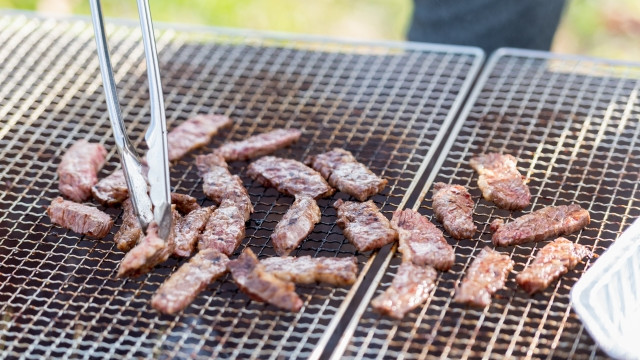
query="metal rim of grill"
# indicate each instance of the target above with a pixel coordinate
(388, 103)
(574, 124)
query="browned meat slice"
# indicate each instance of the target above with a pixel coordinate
(486, 275)
(290, 177)
(179, 290)
(500, 181)
(252, 278)
(421, 242)
(224, 230)
(345, 173)
(552, 261)
(410, 288)
(259, 145)
(130, 231)
(364, 225)
(295, 225)
(184, 203)
(80, 218)
(150, 251)
(453, 207)
(219, 185)
(187, 230)
(111, 190)
(193, 133)
(78, 170)
(308, 270)
(540, 225)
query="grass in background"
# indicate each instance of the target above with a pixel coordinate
(609, 29)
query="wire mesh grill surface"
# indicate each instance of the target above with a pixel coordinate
(59, 295)
(574, 125)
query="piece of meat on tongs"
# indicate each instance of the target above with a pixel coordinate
(500, 181)
(253, 279)
(552, 261)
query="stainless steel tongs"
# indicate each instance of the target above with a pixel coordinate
(156, 136)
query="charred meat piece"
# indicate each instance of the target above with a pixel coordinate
(219, 184)
(252, 278)
(111, 190)
(308, 270)
(259, 145)
(421, 242)
(80, 218)
(500, 181)
(552, 261)
(345, 173)
(540, 225)
(130, 231)
(179, 290)
(453, 207)
(364, 225)
(187, 230)
(184, 203)
(193, 133)
(486, 275)
(290, 177)
(295, 225)
(410, 288)
(150, 251)
(224, 230)
(78, 170)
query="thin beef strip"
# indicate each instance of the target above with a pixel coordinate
(308, 270)
(290, 177)
(295, 225)
(364, 225)
(486, 275)
(80, 218)
(453, 207)
(78, 170)
(500, 181)
(258, 145)
(193, 133)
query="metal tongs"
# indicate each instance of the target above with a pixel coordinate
(156, 136)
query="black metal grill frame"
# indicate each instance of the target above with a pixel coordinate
(388, 103)
(574, 125)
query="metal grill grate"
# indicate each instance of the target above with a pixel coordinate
(59, 295)
(574, 125)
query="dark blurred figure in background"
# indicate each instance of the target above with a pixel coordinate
(489, 24)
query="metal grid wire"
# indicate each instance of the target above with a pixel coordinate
(59, 295)
(574, 125)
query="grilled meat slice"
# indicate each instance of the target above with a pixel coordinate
(453, 207)
(150, 251)
(259, 145)
(345, 173)
(421, 242)
(219, 184)
(187, 230)
(252, 278)
(540, 225)
(295, 225)
(486, 275)
(224, 230)
(290, 177)
(410, 288)
(500, 181)
(193, 133)
(80, 218)
(184, 203)
(179, 290)
(364, 225)
(130, 231)
(308, 270)
(78, 170)
(111, 190)
(552, 261)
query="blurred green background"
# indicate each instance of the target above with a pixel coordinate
(604, 28)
